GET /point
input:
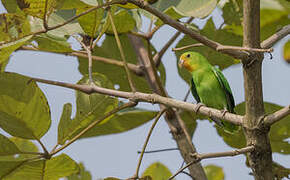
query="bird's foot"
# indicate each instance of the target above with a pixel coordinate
(224, 111)
(198, 106)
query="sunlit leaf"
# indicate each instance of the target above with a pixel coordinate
(286, 52)
(157, 171)
(52, 43)
(91, 21)
(53, 169)
(171, 11)
(12, 7)
(197, 8)
(71, 4)
(279, 132)
(8, 166)
(7, 147)
(117, 74)
(122, 122)
(37, 7)
(214, 172)
(123, 20)
(89, 108)
(24, 111)
(83, 174)
(215, 58)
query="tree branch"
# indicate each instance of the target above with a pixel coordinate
(92, 124)
(277, 116)
(276, 37)
(134, 68)
(150, 98)
(146, 142)
(182, 28)
(199, 157)
(130, 79)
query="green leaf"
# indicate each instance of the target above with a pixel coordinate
(171, 11)
(52, 43)
(23, 145)
(280, 172)
(215, 58)
(121, 122)
(214, 172)
(196, 8)
(7, 147)
(233, 12)
(71, 4)
(278, 135)
(7, 49)
(12, 7)
(157, 171)
(81, 175)
(123, 20)
(13, 27)
(89, 108)
(9, 166)
(24, 111)
(286, 52)
(117, 74)
(37, 7)
(91, 21)
(53, 169)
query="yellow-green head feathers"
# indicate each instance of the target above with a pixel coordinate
(193, 61)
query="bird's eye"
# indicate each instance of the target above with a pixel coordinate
(188, 55)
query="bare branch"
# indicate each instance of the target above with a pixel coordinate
(157, 57)
(244, 49)
(151, 98)
(89, 54)
(188, 46)
(45, 152)
(130, 79)
(134, 68)
(45, 25)
(91, 125)
(276, 37)
(277, 116)
(160, 150)
(146, 142)
(182, 28)
(199, 157)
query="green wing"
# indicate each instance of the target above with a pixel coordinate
(194, 92)
(226, 87)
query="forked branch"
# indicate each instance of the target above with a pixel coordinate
(277, 116)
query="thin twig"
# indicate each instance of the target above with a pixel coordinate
(42, 146)
(130, 79)
(188, 46)
(134, 68)
(147, 140)
(186, 95)
(160, 150)
(221, 48)
(277, 116)
(157, 57)
(89, 53)
(45, 25)
(199, 157)
(91, 125)
(151, 98)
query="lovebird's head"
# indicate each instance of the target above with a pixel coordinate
(192, 61)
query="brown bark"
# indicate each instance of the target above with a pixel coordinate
(256, 133)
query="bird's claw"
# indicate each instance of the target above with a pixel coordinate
(224, 111)
(198, 106)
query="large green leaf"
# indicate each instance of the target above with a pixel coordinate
(91, 21)
(23, 145)
(7, 147)
(52, 43)
(72, 4)
(157, 171)
(89, 108)
(83, 174)
(279, 132)
(11, 6)
(117, 74)
(233, 12)
(123, 20)
(197, 8)
(53, 169)
(121, 122)
(280, 172)
(214, 172)
(24, 111)
(9, 166)
(215, 58)
(37, 7)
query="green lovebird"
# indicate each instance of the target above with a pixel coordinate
(209, 86)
